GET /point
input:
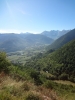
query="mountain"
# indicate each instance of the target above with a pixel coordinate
(63, 40)
(15, 42)
(39, 39)
(60, 63)
(54, 34)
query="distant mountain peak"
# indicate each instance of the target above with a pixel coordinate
(54, 34)
(63, 40)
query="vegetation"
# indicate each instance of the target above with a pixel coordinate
(32, 96)
(4, 63)
(39, 78)
(60, 63)
(65, 57)
(21, 57)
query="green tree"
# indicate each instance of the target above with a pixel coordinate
(36, 76)
(4, 63)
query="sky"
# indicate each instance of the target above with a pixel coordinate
(36, 16)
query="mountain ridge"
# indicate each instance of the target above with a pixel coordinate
(54, 34)
(13, 42)
(63, 40)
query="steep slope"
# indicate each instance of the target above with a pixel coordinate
(54, 34)
(63, 40)
(60, 63)
(65, 56)
(15, 42)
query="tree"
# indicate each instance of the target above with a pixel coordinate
(4, 63)
(36, 77)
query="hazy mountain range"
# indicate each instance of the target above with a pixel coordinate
(54, 34)
(16, 42)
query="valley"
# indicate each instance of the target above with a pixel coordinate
(37, 50)
(38, 72)
(20, 57)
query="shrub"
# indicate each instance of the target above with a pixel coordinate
(32, 96)
(25, 87)
(5, 96)
(14, 91)
(52, 78)
(36, 76)
(49, 84)
(63, 77)
(72, 79)
(4, 63)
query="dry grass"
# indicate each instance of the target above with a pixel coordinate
(65, 82)
(47, 94)
(19, 90)
(7, 81)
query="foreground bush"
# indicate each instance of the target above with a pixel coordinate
(25, 87)
(32, 96)
(49, 84)
(63, 76)
(5, 96)
(36, 76)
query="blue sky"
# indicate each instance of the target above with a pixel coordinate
(36, 16)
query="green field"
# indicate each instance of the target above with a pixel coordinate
(22, 56)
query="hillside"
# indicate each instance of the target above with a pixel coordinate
(21, 83)
(63, 40)
(60, 63)
(54, 34)
(16, 83)
(16, 42)
(65, 57)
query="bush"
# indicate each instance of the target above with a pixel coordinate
(32, 96)
(49, 84)
(36, 76)
(38, 81)
(52, 78)
(25, 87)
(5, 96)
(4, 63)
(63, 77)
(72, 79)
(14, 91)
